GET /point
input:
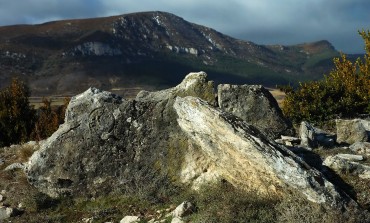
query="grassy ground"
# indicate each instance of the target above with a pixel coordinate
(219, 202)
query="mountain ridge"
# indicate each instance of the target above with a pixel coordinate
(146, 50)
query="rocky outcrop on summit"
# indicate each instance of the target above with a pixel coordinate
(175, 136)
(256, 105)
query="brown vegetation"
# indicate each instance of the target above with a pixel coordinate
(345, 92)
(19, 122)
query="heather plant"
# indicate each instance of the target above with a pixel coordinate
(345, 92)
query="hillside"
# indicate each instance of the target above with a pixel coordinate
(146, 50)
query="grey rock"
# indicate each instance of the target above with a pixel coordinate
(350, 157)
(184, 209)
(351, 131)
(110, 143)
(2, 198)
(291, 139)
(361, 148)
(255, 105)
(7, 212)
(130, 219)
(177, 220)
(343, 165)
(313, 137)
(241, 150)
(307, 135)
(15, 166)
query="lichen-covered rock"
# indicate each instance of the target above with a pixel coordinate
(245, 157)
(108, 143)
(345, 164)
(307, 135)
(5, 213)
(256, 105)
(361, 148)
(313, 137)
(112, 145)
(352, 131)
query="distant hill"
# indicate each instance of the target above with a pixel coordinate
(146, 50)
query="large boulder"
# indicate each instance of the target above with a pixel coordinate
(352, 131)
(108, 143)
(243, 156)
(175, 136)
(256, 105)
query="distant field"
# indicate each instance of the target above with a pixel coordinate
(127, 93)
(278, 95)
(36, 102)
(130, 93)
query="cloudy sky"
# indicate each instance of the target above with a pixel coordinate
(261, 21)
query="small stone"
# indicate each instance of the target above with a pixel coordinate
(5, 212)
(184, 209)
(340, 164)
(360, 148)
(130, 219)
(307, 135)
(87, 220)
(291, 139)
(351, 157)
(15, 166)
(177, 220)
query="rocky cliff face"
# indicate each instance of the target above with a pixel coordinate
(161, 139)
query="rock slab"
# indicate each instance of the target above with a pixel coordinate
(352, 131)
(245, 157)
(255, 105)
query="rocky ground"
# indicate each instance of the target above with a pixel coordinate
(186, 154)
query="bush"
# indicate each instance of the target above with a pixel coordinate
(16, 115)
(345, 92)
(48, 119)
(19, 122)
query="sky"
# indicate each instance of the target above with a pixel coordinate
(285, 22)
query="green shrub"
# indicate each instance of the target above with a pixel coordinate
(345, 92)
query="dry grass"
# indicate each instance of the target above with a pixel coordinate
(278, 95)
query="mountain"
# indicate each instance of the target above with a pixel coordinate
(146, 50)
